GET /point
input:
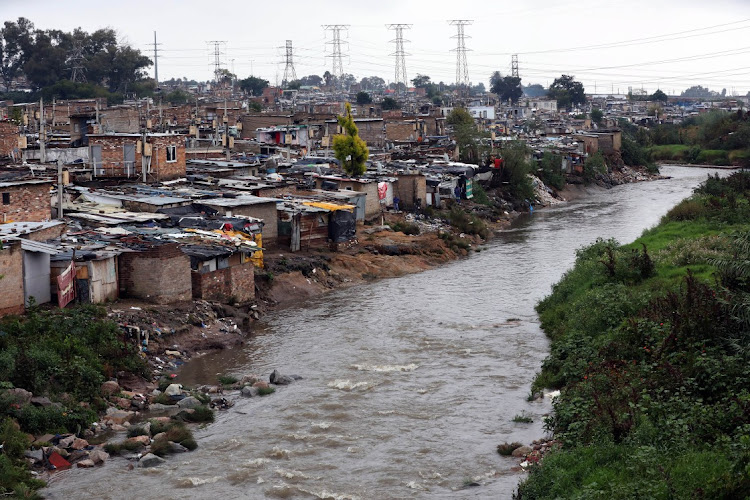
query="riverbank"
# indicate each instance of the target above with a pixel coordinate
(216, 326)
(649, 349)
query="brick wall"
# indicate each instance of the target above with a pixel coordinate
(401, 130)
(236, 282)
(160, 274)
(410, 187)
(11, 279)
(27, 203)
(166, 171)
(8, 138)
(161, 170)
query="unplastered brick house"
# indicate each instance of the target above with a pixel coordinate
(25, 201)
(160, 157)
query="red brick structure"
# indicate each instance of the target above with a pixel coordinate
(236, 282)
(27, 201)
(409, 189)
(8, 138)
(11, 278)
(122, 155)
(159, 274)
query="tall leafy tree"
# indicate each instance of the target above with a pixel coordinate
(15, 38)
(253, 85)
(567, 91)
(372, 83)
(311, 80)
(659, 95)
(507, 88)
(349, 148)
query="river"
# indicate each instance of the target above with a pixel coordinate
(409, 383)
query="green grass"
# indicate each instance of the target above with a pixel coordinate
(669, 152)
(228, 379)
(523, 418)
(649, 347)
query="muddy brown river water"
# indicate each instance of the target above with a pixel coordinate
(409, 383)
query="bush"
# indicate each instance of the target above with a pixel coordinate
(228, 379)
(199, 414)
(405, 227)
(467, 223)
(265, 391)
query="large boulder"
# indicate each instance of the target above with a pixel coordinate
(279, 379)
(98, 456)
(249, 392)
(21, 396)
(189, 402)
(150, 460)
(36, 455)
(173, 390)
(110, 387)
(87, 463)
(40, 401)
(522, 451)
(79, 444)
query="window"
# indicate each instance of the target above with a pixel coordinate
(6, 198)
(171, 154)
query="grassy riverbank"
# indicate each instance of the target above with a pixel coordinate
(60, 359)
(651, 351)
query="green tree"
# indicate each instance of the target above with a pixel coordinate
(507, 88)
(468, 139)
(659, 96)
(534, 90)
(459, 116)
(294, 85)
(253, 85)
(597, 115)
(348, 147)
(567, 91)
(363, 98)
(15, 38)
(390, 103)
(516, 170)
(311, 81)
(421, 81)
(372, 83)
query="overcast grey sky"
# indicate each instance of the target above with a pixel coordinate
(668, 44)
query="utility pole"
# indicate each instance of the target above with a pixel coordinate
(400, 74)
(462, 67)
(60, 188)
(156, 60)
(42, 134)
(217, 57)
(289, 74)
(514, 66)
(338, 65)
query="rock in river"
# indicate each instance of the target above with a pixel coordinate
(150, 460)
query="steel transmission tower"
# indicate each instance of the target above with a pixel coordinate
(77, 71)
(338, 65)
(289, 74)
(217, 57)
(514, 66)
(156, 60)
(400, 76)
(462, 68)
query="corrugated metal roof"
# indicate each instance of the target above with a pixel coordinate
(38, 246)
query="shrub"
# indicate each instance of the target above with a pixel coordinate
(264, 391)
(227, 379)
(405, 227)
(199, 414)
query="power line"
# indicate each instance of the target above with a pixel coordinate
(338, 65)
(400, 74)
(289, 74)
(462, 67)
